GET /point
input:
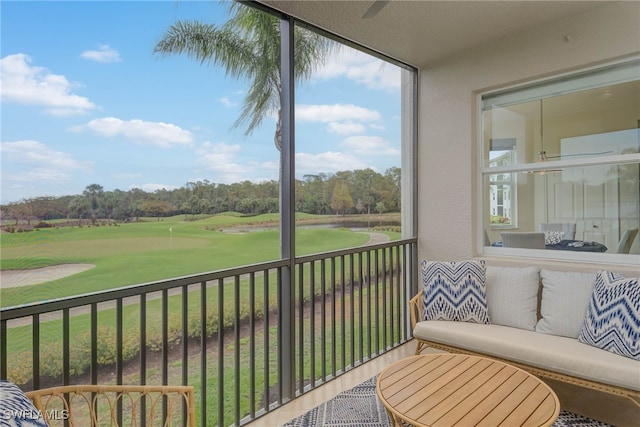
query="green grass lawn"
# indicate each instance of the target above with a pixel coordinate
(150, 250)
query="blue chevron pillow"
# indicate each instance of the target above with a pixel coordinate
(17, 410)
(455, 291)
(613, 318)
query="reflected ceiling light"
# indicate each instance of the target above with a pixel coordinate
(542, 158)
(542, 154)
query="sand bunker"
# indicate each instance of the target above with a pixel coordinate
(14, 278)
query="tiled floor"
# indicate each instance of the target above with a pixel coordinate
(327, 391)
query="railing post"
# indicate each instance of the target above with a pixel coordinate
(287, 212)
(3, 349)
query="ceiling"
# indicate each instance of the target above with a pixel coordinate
(419, 32)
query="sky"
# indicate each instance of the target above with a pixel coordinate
(84, 100)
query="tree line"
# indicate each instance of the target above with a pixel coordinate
(345, 192)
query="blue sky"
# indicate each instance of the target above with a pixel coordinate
(84, 100)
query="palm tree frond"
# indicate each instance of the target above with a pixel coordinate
(311, 51)
(248, 46)
(207, 43)
(262, 100)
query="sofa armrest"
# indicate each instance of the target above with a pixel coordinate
(415, 309)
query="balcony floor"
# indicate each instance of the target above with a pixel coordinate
(327, 391)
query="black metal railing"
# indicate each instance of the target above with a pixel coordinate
(221, 332)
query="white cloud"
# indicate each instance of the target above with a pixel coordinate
(334, 113)
(329, 161)
(220, 159)
(346, 128)
(38, 162)
(369, 145)
(147, 133)
(227, 165)
(40, 174)
(227, 102)
(29, 85)
(361, 68)
(272, 166)
(219, 153)
(151, 187)
(341, 119)
(339, 62)
(104, 53)
(376, 75)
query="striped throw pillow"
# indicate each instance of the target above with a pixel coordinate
(455, 290)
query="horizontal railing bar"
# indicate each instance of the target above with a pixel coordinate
(15, 312)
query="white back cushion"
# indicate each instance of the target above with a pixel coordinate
(512, 296)
(565, 299)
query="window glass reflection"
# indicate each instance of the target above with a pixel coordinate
(598, 207)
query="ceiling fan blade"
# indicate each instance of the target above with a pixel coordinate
(375, 8)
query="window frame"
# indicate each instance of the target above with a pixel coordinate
(485, 171)
(511, 181)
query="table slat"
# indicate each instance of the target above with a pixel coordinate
(444, 388)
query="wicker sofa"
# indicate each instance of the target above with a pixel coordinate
(535, 319)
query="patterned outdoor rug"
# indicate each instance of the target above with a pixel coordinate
(360, 407)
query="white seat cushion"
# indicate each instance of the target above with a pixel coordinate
(554, 353)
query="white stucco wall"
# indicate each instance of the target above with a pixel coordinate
(447, 153)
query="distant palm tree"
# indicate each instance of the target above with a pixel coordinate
(94, 194)
(248, 46)
(79, 205)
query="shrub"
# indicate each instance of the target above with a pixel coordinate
(154, 334)
(51, 360)
(211, 323)
(80, 354)
(106, 346)
(21, 369)
(131, 343)
(392, 228)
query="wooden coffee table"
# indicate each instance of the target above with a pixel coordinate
(459, 390)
